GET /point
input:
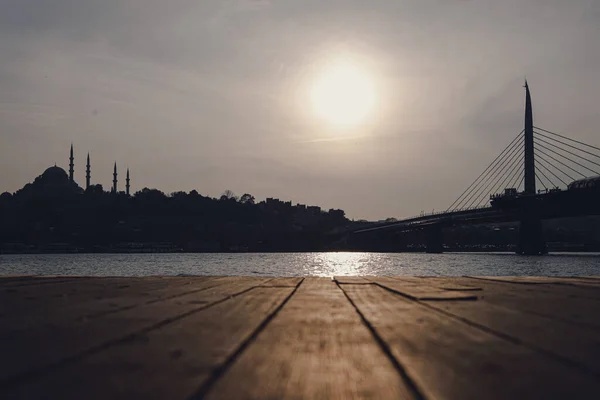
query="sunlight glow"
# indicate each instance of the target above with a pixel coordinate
(343, 94)
(343, 263)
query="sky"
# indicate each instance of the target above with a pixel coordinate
(215, 95)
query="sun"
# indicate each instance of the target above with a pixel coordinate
(343, 95)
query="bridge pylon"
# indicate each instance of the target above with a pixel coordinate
(529, 150)
(434, 239)
(531, 239)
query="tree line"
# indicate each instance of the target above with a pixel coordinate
(101, 221)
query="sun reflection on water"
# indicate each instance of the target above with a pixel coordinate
(341, 263)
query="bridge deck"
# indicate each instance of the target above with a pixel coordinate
(293, 338)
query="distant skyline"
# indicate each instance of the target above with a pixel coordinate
(215, 95)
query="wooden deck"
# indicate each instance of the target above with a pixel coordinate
(299, 338)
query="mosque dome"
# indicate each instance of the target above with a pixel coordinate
(54, 182)
(55, 175)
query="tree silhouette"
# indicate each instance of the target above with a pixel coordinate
(228, 195)
(247, 199)
(99, 221)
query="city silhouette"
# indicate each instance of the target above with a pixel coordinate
(55, 214)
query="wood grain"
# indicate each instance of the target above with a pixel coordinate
(42, 346)
(582, 349)
(170, 362)
(439, 283)
(421, 292)
(299, 338)
(351, 280)
(315, 348)
(545, 280)
(564, 303)
(450, 359)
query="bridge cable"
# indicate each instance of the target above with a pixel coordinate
(562, 163)
(484, 192)
(552, 165)
(552, 173)
(544, 175)
(571, 146)
(514, 171)
(478, 187)
(489, 175)
(567, 158)
(565, 150)
(516, 180)
(509, 176)
(539, 180)
(516, 174)
(488, 167)
(568, 152)
(510, 168)
(522, 179)
(568, 138)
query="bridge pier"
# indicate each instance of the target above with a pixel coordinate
(531, 238)
(434, 239)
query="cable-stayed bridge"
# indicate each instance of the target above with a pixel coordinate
(539, 175)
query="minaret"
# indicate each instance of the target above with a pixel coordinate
(88, 173)
(114, 189)
(127, 186)
(71, 165)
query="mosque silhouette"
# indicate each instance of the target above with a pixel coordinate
(56, 181)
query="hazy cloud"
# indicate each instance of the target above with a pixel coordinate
(211, 95)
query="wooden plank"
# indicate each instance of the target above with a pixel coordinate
(15, 278)
(285, 282)
(587, 292)
(351, 280)
(563, 303)
(93, 288)
(84, 303)
(315, 348)
(41, 347)
(541, 280)
(169, 362)
(418, 292)
(565, 341)
(41, 280)
(450, 359)
(437, 283)
(595, 278)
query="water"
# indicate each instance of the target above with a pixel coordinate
(300, 264)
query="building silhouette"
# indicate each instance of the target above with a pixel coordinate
(55, 180)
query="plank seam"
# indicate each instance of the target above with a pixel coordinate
(547, 289)
(424, 298)
(410, 383)
(41, 281)
(125, 308)
(549, 316)
(515, 340)
(221, 369)
(276, 286)
(511, 339)
(590, 278)
(39, 371)
(579, 285)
